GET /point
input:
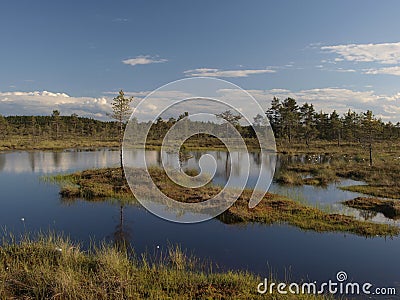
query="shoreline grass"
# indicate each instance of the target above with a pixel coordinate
(374, 190)
(28, 142)
(98, 184)
(52, 267)
(13, 143)
(382, 178)
(318, 176)
(278, 209)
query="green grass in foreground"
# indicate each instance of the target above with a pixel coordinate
(51, 267)
(99, 184)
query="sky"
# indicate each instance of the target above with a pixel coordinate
(76, 55)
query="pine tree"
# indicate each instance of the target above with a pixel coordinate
(371, 126)
(289, 112)
(308, 125)
(56, 121)
(230, 118)
(121, 113)
(3, 126)
(274, 116)
(335, 126)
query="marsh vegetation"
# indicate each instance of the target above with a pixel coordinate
(389, 208)
(52, 267)
(320, 150)
(98, 184)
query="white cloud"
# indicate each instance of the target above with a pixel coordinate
(385, 53)
(121, 20)
(325, 99)
(391, 109)
(151, 106)
(44, 102)
(279, 91)
(394, 97)
(35, 93)
(345, 70)
(331, 98)
(143, 60)
(206, 72)
(389, 70)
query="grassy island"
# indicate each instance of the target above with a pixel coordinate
(100, 184)
(389, 208)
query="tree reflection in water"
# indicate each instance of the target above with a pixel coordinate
(122, 232)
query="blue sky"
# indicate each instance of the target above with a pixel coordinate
(74, 55)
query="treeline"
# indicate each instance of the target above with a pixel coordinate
(57, 127)
(292, 122)
(289, 121)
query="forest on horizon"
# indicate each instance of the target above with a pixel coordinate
(289, 121)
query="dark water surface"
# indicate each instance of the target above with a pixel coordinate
(29, 204)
